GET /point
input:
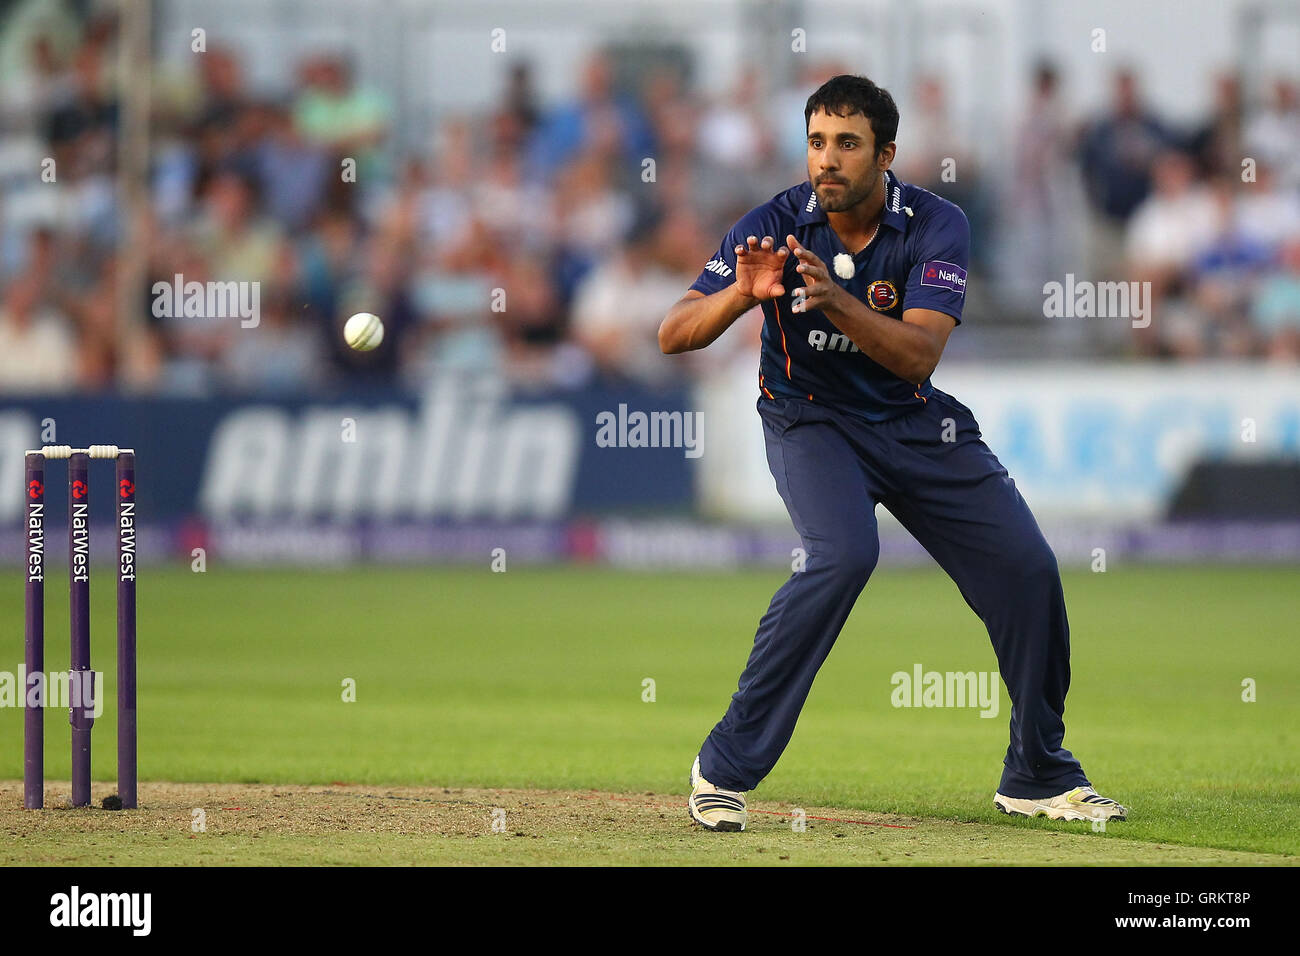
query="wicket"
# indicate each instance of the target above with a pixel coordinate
(81, 678)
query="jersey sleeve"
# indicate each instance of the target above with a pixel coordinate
(940, 257)
(720, 271)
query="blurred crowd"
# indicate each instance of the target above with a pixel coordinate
(544, 241)
(1210, 216)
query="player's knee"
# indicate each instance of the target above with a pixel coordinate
(1038, 567)
(850, 562)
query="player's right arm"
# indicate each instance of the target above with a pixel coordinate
(697, 319)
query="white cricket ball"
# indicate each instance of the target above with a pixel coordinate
(844, 267)
(364, 331)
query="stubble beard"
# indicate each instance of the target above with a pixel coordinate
(846, 197)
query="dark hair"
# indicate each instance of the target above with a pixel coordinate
(847, 94)
(1045, 75)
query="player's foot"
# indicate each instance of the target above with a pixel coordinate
(1081, 803)
(712, 808)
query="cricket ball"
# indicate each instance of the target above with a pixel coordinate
(364, 331)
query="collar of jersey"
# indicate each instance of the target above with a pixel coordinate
(894, 216)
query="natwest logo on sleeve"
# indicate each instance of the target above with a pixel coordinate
(944, 275)
(718, 267)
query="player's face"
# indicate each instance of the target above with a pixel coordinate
(842, 162)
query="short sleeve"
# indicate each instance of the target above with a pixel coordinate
(940, 256)
(720, 271)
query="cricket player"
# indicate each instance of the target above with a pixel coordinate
(861, 279)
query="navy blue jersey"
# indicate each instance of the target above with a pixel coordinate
(917, 260)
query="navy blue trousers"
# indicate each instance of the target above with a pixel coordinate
(957, 500)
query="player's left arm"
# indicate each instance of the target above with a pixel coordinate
(910, 349)
(939, 244)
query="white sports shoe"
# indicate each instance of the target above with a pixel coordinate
(712, 808)
(1081, 803)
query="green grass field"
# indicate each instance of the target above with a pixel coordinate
(533, 680)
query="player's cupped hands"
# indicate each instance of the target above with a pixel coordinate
(819, 291)
(760, 268)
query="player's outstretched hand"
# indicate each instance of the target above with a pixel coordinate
(760, 268)
(819, 290)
